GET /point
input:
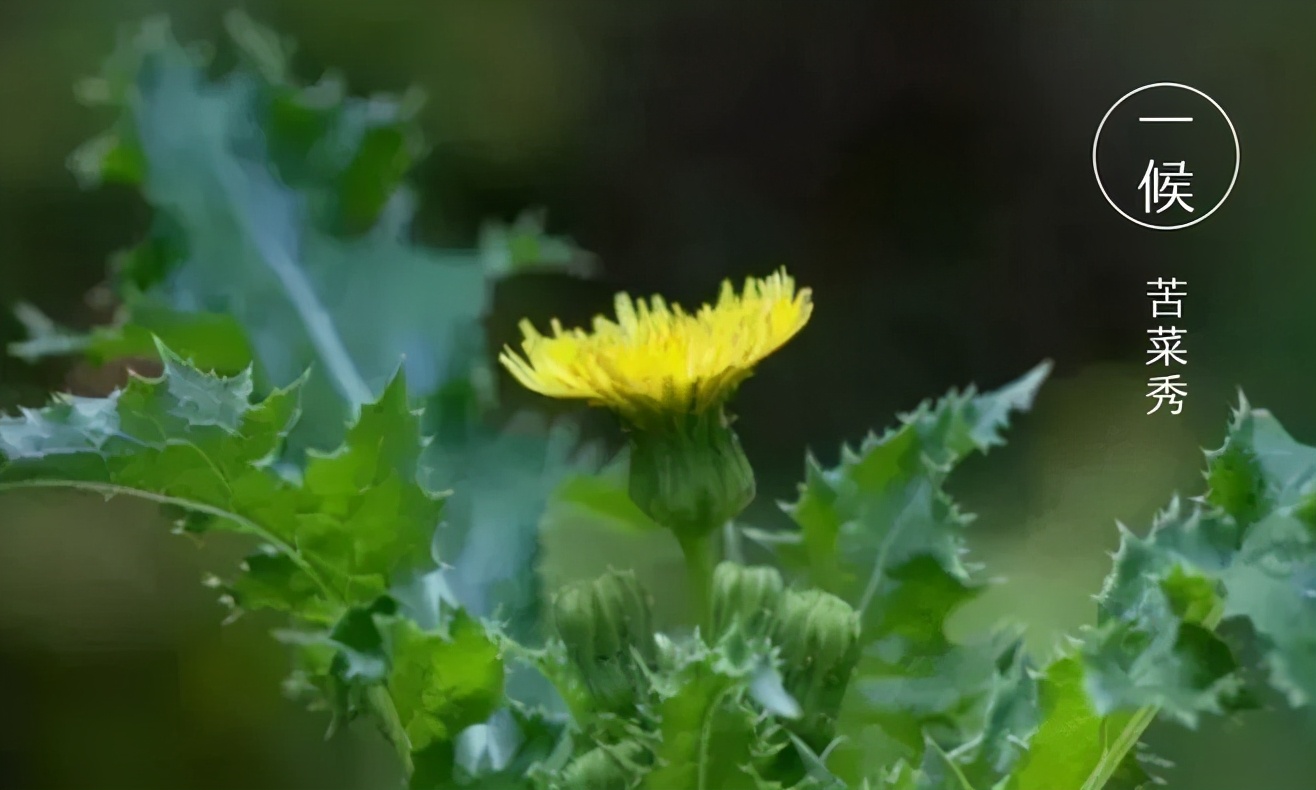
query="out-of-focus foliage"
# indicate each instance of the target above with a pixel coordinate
(281, 218)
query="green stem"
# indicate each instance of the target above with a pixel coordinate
(387, 709)
(700, 557)
(706, 738)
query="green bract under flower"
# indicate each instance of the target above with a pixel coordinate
(692, 477)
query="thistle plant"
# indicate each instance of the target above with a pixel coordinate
(395, 519)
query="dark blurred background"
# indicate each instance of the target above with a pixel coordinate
(923, 166)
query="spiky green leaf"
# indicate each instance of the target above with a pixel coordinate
(880, 531)
(197, 442)
(1246, 550)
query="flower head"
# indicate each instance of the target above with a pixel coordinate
(658, 359)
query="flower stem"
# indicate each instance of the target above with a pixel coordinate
(700, 557)
(392, 724)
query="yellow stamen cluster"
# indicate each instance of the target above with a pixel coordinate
(657, 359)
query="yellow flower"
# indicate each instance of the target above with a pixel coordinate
(657, 359)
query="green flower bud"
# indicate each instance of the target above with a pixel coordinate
(745, 595)
(605, 768)
(818, 634)
(606, 623)
(690, 475)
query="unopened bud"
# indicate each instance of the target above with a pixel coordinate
(691, 476)
(818, 634)
(605, 624)
(748, 596)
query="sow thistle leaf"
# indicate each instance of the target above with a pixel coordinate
(1154, 644)
(884, 506)
(272, 579)
(185, 436)
(706, 719)
(1010, 719)
(880, 531)
(196, 442)
(442, 683)
(1272, 583)
(426, 687)
(1074, 742)
(709, 733)
(280, 243)
(1245, 550)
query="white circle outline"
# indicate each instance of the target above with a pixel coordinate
(1096, 172)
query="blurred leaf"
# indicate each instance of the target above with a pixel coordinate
(601, 499)
(525, 244)
(490, 538)
(500, 753)
(1011, 717)
(501, 483)
(819, 776)
(282, 213)
(259, 247)
(214, 342)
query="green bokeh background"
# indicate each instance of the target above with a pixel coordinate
(924, 166)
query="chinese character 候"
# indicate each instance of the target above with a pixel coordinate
(1164, 183)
